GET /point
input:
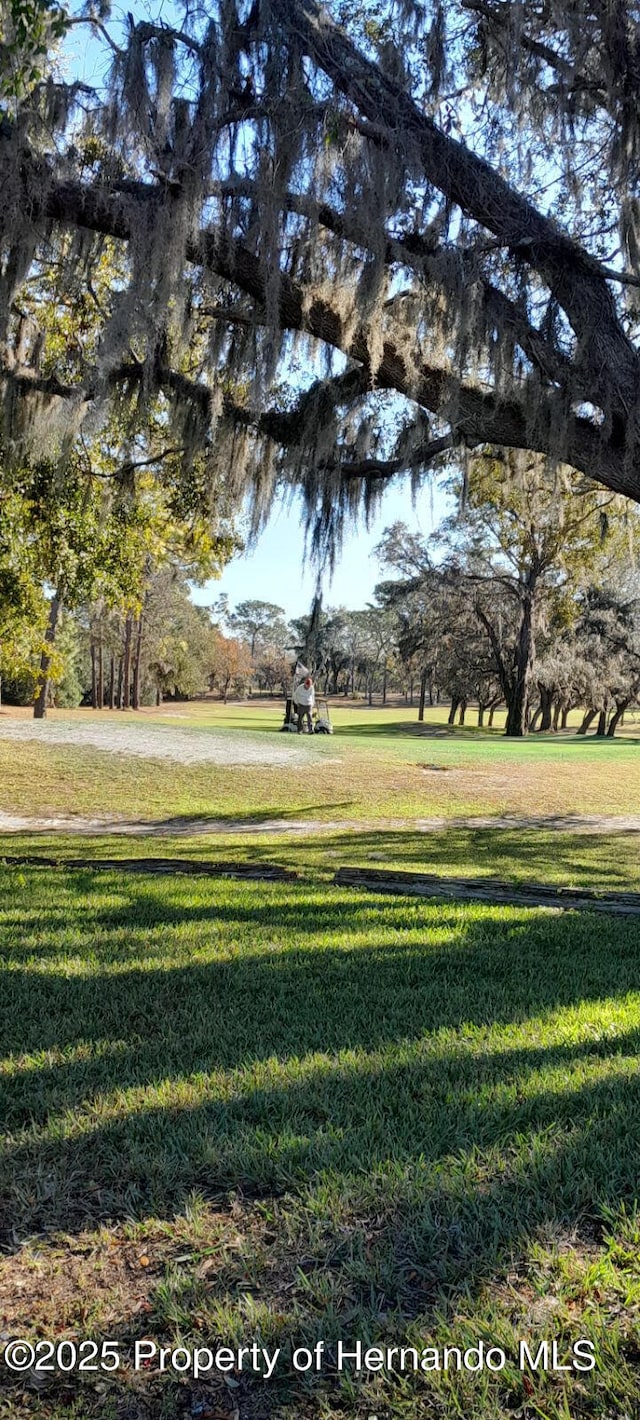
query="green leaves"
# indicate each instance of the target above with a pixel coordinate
(30, 28)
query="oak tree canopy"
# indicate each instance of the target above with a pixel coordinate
(317, 246)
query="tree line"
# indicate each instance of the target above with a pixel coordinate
(526, 597)
(94, 578)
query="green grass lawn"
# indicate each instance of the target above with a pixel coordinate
(293, 1111)
(313, 1114)
(379, 764)
(605, 862)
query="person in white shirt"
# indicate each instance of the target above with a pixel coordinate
(304, 699)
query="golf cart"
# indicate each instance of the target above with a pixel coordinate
(320, 714)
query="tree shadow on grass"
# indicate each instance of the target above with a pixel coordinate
(413, 729)
(359, 969)
(440, 729)
(415, 1101)
(117, 911)
(127, 919)
(519, 854)
(308, 1050)
(459, 1161)
(185, 823)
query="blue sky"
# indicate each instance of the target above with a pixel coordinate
(276, 570)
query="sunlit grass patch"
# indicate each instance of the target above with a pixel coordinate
(378, 765)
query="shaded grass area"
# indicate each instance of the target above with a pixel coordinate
(319, 1115)
(602, 861)
(398, 715)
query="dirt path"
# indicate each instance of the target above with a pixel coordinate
(196, 827)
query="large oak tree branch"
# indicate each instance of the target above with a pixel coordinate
(571, 273)
(417, 252)
(478, 414)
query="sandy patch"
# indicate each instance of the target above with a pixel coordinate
(185, 746)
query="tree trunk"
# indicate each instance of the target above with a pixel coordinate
(533, 725)
(564, 717)
(120, 683)
(492, 711)
(384, 686)
(423, 691)
(517, 707)
(546, 702)
(158, 696)
(126, 667)
(100, 687)
(618, 713)
(112, 684)
(588, 717)
(463, 711)
(136, 666)
(451, 718)
(40, 702)
(481, 710)
(411, 691)
(602, 724)
(94, 678)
